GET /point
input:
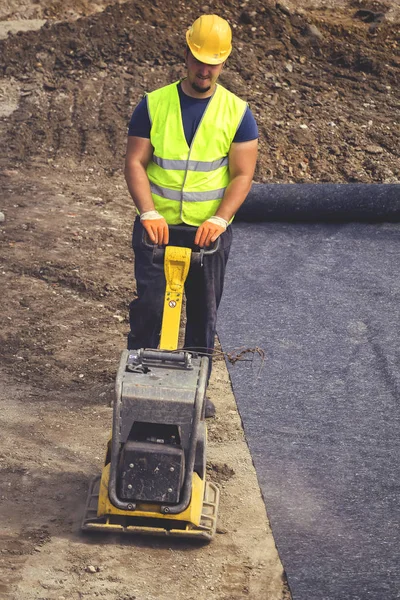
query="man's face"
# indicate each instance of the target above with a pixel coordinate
(202, 77)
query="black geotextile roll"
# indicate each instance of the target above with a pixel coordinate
(328, 202)
(312, 279)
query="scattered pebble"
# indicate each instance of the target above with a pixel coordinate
(2, 217)
(221, 530)
(285, 7)
(91, 569)
(372, 149)
(314, 32)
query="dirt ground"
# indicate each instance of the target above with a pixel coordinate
(322, 79)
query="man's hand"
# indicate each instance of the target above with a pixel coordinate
(210, 231)
(156, 227)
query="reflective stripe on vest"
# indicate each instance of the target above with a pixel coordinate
(190, 165)
(188, 183)
(186, 196)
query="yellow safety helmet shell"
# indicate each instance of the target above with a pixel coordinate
(210, 39)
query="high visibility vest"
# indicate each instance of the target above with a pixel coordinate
(188, 183)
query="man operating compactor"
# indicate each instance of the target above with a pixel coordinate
(190, 160)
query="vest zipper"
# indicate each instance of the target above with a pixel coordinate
(191, 145)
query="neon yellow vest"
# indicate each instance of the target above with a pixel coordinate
(187, 184)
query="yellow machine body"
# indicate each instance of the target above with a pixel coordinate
(198, 519)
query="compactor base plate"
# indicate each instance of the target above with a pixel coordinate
(153, 523)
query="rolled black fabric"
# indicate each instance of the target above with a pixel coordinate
(321, 412)
(325, 202)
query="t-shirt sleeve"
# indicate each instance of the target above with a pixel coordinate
(139, 124)
(247, 129)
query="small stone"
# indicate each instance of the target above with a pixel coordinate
(303, 126)
(221, 530)
(314, 32)
(289, 67)
(373, 149)
(102, 64)
(37, 549)
(302, 60)
(90, 569)
(2, 217)
(284, 7)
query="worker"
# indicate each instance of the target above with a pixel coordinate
(190, 160)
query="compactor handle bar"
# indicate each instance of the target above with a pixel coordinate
(197, 256)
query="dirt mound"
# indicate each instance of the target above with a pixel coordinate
(303, 73)
(50, 9)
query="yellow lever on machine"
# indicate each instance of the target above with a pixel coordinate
(176, 268)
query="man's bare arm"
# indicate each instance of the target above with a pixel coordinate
(138, 155)
(139, 152)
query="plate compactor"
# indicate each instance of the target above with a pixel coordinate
(154, 476)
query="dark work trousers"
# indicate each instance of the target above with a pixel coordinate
(203, 289)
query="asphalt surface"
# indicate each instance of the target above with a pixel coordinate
(321, 412)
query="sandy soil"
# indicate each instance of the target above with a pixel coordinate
(323, 84)
(66, 274)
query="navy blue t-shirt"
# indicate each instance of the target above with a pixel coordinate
(192, 110)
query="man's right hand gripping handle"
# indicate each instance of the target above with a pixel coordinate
(156, 227)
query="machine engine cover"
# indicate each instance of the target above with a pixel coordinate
(151, 472)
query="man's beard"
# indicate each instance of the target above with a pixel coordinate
(200, 90)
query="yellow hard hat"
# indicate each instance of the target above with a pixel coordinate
(210, 39)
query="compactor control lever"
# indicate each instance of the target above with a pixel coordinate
(177, 262)
(197, 256)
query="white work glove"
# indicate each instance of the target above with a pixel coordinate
(210, 230)
(155, 226)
